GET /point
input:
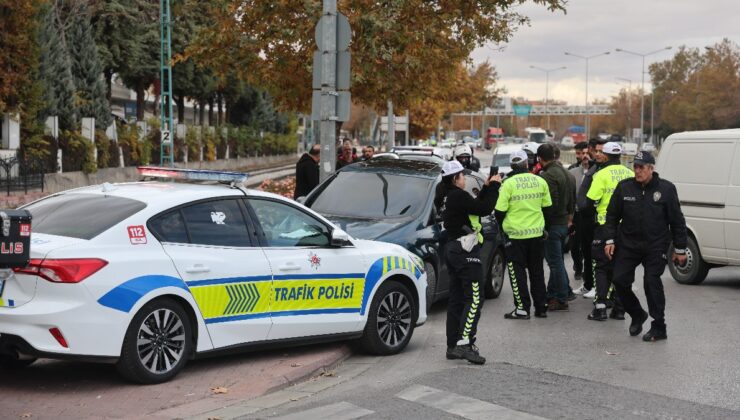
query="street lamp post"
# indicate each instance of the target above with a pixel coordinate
(547, 87)
(642, 94)
(629, 105)
(587, 119)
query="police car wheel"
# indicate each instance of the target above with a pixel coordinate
(495, 277)
(431, 283)
(157, 343)
(694, 271)
(391, 320)
(9, 362)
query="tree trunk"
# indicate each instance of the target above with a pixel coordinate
(109, 84)
(219, 98)
(140, 92)
(202, 112)
(180, 101)
(210, 111)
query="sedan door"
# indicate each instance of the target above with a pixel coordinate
(317, 288)
(229, 277)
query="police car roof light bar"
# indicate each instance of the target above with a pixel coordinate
(192, 174)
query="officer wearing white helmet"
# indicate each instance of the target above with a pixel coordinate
(464, 154)
(531, 149)
(462, 254)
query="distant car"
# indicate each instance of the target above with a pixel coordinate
(501, 157)
(629, 149)
(567, 142)
(648, 147)
(392, 200)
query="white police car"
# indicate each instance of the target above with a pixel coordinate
(150, 274)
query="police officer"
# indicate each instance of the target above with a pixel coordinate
(602, 187)
(463, 258)
(519, 212)
(587, 212)
(464, 154)
(642, 219)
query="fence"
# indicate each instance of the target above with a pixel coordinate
(21, 174)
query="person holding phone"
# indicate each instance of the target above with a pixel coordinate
(463, 257)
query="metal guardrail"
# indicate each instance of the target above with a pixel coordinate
(21, 174)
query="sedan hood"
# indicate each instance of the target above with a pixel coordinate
(366, 228)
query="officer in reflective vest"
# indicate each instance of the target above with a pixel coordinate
(605, 181)
(519, 211)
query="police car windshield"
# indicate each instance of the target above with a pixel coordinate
(82, 216)
(501, 159)
(372, 195)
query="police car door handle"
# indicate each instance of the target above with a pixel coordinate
(289, 267)
(197, 268)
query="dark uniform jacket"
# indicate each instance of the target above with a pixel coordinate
(650, 216)
(561, 192)
(459, 205)
(584, 205)
(306, 176)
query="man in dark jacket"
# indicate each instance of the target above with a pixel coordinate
(307, 172)
(644, 216)
(558, 217)
(586, 210)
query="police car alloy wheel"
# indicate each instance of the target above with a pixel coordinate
(391, 320)
(157, 343)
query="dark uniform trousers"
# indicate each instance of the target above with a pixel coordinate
(582, 240)
(654, 262)
(522, 256)
(465, 301)
(603, 269)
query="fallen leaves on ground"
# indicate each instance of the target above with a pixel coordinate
(220, 390)
(612, 353)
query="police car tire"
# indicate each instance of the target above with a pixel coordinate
(8, 362)
(129, 364)
(493, 290)
(697, 268)
(431, 283)
(371, 341)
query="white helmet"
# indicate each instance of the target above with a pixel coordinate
(462, 149)
(531, 147)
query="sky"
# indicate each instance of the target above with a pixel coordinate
(591, 27)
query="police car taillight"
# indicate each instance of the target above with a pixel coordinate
(72, 270)
(192, 174)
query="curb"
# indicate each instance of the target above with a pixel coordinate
(217, 406)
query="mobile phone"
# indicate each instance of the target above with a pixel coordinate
(494, 171)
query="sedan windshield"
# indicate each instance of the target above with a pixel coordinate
(501, 159)
(372, 195)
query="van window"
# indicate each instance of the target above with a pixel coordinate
(704, 162)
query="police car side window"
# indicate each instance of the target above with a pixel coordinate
(218, 223)
(285, 225)
(169, 227)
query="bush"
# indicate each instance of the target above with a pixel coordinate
(77, 153)
(193, 143)
(102, 143)
(209, 143)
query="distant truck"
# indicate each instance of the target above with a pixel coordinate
(536, 134)
(577, 133)
(493, 136)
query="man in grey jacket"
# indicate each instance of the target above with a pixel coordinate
(580, 249)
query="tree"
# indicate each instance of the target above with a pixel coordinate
(18, 23)
(55, 72)
(397, 47)
(87, 72)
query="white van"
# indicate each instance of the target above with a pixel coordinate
(705, 166)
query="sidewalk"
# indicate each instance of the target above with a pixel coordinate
(64, 390)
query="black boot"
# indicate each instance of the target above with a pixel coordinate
(616, 313)
(655, 335)
(468, 352)
(636, 324)
(598, 314)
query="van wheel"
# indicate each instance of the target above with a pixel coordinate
(390, 320)
(431, 284)
(157, 344)
(495, 277)
(694, 271)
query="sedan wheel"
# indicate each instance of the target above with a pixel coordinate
(157, 343)
(495, 278)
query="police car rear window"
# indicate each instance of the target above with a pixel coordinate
(82, 216)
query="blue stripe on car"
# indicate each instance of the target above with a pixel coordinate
(124, 296)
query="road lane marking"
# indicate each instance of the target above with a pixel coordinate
(339, 411)
(469, 408)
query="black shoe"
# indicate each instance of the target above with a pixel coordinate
(540, 314)
(598, 314)
(616, 314)
(516, 314)
(636, 324)
(571, 296)
(654, 335)
(609, 304)
(452, 353)
(468, 352)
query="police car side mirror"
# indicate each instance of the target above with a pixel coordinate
(340, 238)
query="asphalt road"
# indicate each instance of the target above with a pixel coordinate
(564, 366)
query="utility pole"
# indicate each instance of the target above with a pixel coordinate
(166, 150)
(391, 140)
(629, 106)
